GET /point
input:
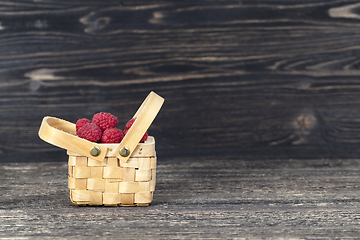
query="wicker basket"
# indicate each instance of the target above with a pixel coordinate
(109, 174)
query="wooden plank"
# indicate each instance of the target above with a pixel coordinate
(299, 199)
(250, 79)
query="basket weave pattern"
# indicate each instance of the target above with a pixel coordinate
(112, 182)
(109, 176)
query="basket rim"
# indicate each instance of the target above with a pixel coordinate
(146, 149)
(150, 140)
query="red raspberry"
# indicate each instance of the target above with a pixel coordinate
(90, 132)
(144, 138)
(105, 120)
(81, 122)
(112, 135)
(128, 126)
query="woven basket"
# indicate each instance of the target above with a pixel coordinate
(109, 174)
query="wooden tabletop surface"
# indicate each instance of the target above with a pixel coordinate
(292, 199)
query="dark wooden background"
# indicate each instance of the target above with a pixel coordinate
(249, 80)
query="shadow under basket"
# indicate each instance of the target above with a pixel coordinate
(113, 182)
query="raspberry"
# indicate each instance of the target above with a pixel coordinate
(105, 120)
(90, 132)
(81, 122)
(112, 135)
(144, 138)
(128, 126)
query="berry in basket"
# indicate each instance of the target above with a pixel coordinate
(81, 122)
(98, 130)
(105, 120)
(112, 135)
(105, 130)
(128, 126)
(90, 132)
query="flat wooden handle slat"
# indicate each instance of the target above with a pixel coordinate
(62, 134)
(145, 115)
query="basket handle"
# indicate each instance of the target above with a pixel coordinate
(145, 115)
(62, 134)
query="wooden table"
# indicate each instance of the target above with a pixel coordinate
(307, 199)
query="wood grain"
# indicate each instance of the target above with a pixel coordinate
(282, 199)
(242, 79)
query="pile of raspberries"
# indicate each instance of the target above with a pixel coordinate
(102, 129)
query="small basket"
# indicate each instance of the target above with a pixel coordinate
(121, 174)
(113, 182)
